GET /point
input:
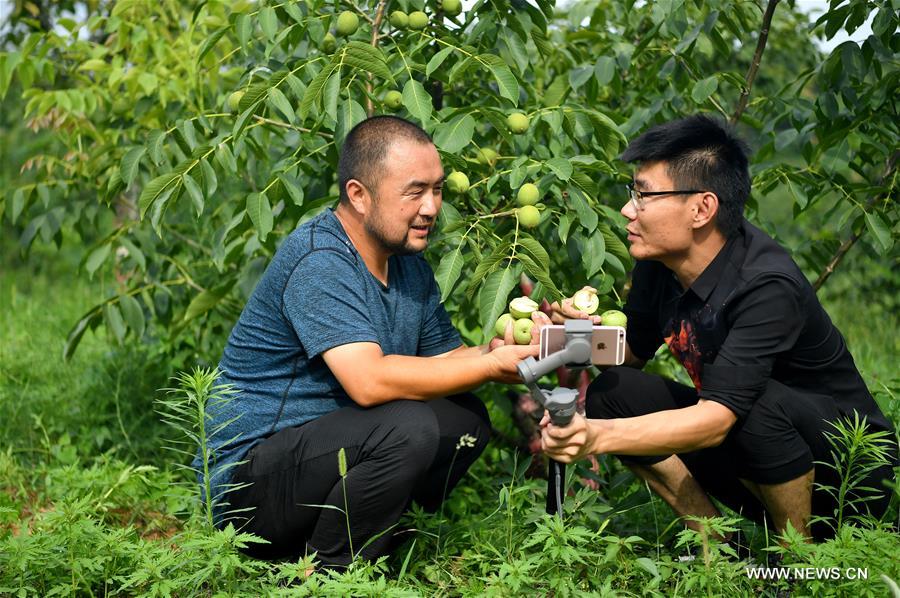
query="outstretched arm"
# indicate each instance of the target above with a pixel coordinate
(662, 433)
(370, 377)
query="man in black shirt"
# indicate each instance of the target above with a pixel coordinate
(770, 371)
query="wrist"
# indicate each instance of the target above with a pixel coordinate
(598, 436)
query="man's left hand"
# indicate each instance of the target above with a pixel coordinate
(567, 444)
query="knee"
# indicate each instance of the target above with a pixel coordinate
(477, 420)
(412, 430)
(605, 397)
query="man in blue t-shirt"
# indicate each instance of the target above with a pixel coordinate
(344, 345)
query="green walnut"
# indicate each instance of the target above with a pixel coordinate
(529, 216)
(234, 100)
(487, 155)
(528, 195)
(451, 8)
(329, 43)
(393, 99)
(522, 331)
(418, 20)
(522, 307)
(457, 182)
(347, 23)
(586, 301)
(517, 122)
(399, 19)
(500, 324)
(613, 317)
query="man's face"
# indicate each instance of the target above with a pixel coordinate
(408, 197)
(663, 229)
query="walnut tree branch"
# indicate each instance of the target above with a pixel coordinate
(757, 57)
(846, 245)
(376, 24)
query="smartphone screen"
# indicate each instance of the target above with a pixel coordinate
(607, 343)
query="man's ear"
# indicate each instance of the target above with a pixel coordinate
(705, 209)
(359, 197)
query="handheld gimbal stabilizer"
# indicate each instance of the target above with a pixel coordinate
(560, 402)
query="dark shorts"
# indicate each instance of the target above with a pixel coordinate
(781, 438)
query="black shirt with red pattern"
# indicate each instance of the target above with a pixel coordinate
(750, 317)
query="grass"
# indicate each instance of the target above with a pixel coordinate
(90, 504)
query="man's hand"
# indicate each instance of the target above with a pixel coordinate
(540, 320)
(505, 358)
(567, 311)
(567, 444)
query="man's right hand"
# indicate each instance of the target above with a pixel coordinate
(504, 360)
(567, 311)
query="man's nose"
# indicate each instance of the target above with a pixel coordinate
(430, 205)
(628, 210)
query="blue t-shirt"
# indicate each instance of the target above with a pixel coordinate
(316, 294)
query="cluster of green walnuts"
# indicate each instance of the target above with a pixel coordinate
(528, 209)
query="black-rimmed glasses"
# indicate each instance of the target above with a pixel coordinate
(637, 197)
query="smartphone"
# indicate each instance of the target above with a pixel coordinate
(607, 343)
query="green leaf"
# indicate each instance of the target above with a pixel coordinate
(494, 296)
(607, 133)
(417, 101)
(485, 266)
(614, 244)
(210, 42)
(437, 60)
(210, 182)
(506, 81)
(130, 162)
(349, 115)
(314, 90)
(155, 140)
(134, 253)
(332, 94)
(448, 271)
(225, 158)
(294, 190)
(194, 192)
(368, 59)
(798, 193)
(881, 231)
(594, 254)
(579, 76)
(19, 199)
(455, 135)
(268, 22)
(539, 274)
(279, 101)
(260, 212)
(89, 320)
(536, 250)
(134, 315)
(154, 190)
(114, 321)
(159, 206)
(96, 258)
(586, 215)
(605, 69)
(704, 88)
(561, 167)
(201, 304)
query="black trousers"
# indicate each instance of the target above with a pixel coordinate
(780, 439)
(396, 452)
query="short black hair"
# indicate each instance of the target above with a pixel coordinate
(701, 152)
(367, 145)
